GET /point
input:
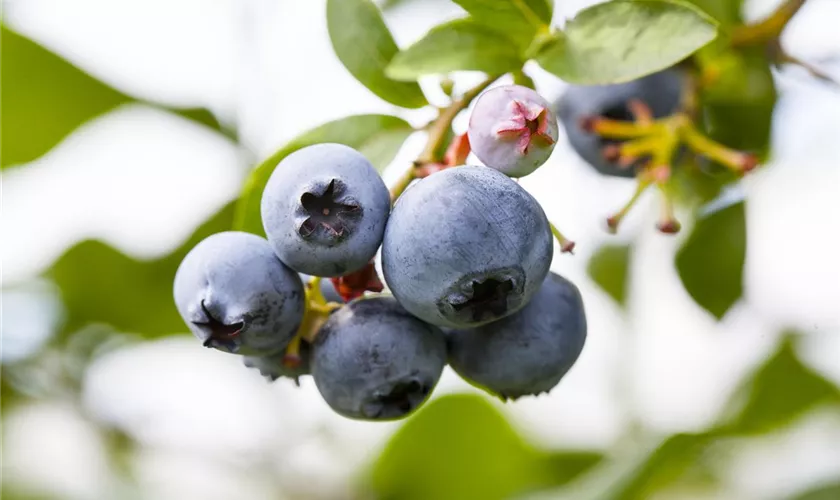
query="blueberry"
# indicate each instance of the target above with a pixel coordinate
(236, 296)
(512, 129)
(273, 366)
(327, 289)
(372, 360)
(660, 91)
(528, 352)
(466, 246)
(324, 210)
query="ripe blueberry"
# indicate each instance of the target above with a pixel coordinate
(512, 129)
(466, 246)
(236, 296)
(324, 210)
(528, 352)
(372, 360)
(661, 92)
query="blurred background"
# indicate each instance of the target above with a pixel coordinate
(166, 105)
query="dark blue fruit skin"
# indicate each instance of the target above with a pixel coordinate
(660, 91)
(372, 360)
(466, 246)
(324, 210)
(526, 353)
(233, 281)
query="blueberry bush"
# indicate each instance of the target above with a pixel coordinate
(320, 269)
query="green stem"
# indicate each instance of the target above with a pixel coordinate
(437, 134)
(737, 161)
(566, 245)
(614, 220)
(767, 30)
(785, 58)
(402, 183)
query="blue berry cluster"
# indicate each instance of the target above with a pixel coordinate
(465, 254)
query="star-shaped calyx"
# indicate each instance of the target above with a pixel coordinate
(527, 124)
(325, 211)
(221, 334)
(489, 298)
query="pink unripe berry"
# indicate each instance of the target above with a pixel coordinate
(512, 129)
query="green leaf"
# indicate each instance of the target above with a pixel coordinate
(202, 116)
(464, 448)
(645, 471)
(726, 12)
(9, 393)
(609, 267)
(693, 183)
(566, 466)
(829, 491)
(520, 20)
(100, 284)
(364, 45)
(738, 104)
(461, 44)
(667, 464)
(45, 98)
(711, 261)
(780, 390)
(624, 40)
(378, 137)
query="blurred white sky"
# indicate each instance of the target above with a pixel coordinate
(142, 180)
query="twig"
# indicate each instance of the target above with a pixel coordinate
(768, 29)
(437, 134)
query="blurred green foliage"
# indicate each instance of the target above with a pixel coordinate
(33, 102)
(462, 44)
(45, 98)
(100, 284)
(652, 35)
(365, 46)
(726, 12)
(779, 391)
(457, 446)
(609, 267)
(466, 449)
(711, 261)
(824, 492)
(738, 105)
(520, 20)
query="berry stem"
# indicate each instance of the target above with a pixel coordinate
(316, 312)
(782, 57)
(737, 161)
(641, 112)
(769, 28)
(639, 147)
(616, 129)
(660, 139)
(439, 128)
(614, 220)
(314, 291)
(668, 222)
(402, 183)
(291, 358)
(437, 134)
(566, 245)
